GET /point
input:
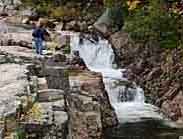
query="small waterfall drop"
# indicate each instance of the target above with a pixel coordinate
(129, 103)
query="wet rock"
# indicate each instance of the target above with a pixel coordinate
(172, 109)
(111, 21)
(104, 29)
(77, 62)
(120, 42)
(72, 25)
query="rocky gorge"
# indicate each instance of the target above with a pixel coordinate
(47, 97)
(158, 75)
(157, 70)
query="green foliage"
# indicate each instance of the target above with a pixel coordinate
(20, 133)
(66, 49)
(56, 8)
(153, 23)
(112, 3)
(108, 3)
(63, 11)
(43, 9)
(42, 6)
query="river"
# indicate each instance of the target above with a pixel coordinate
(138, 120)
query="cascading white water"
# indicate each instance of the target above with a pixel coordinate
(129, 104)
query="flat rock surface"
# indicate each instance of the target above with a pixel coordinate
(18, 51)
(12, 82)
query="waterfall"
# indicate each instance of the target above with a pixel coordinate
(129, 103)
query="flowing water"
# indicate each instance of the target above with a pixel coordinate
(138, 120)
(129, 103)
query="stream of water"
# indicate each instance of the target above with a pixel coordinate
(129, 103)
(138, 120)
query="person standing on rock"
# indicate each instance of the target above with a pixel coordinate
(40, 35)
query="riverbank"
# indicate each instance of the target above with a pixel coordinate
(86, 112)
(48, 99)
(157, 70)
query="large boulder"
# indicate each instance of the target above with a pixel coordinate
(12, 35)
(23, 54)
(13, 82)
(52, 121)
(124, 47)
(111, 21)
(88, 106)
(57, 77)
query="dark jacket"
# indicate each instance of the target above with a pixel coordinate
(40, 33)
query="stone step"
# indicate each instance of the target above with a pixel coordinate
(42, 84)
(48, 95)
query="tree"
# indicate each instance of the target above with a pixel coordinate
(154, 23)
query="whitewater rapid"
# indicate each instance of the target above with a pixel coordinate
(99, 57)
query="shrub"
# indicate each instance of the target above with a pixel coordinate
(153, 22)
(63, 12)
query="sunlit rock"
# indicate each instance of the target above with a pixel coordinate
(88, 106)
